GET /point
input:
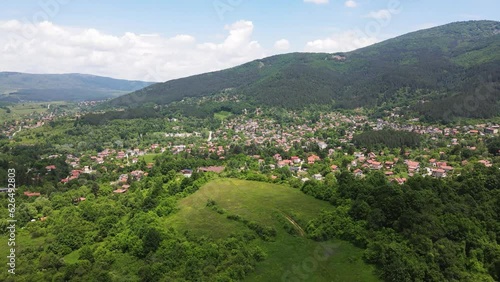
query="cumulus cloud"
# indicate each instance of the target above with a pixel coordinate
(282, 45)
(341, 42)
(49, 48)
(351, 4)
(317, 1)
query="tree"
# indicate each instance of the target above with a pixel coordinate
(95, 189)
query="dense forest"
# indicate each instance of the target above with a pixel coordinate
(387, 138)
(425, 230)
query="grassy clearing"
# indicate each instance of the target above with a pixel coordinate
(223, 115)
(256, 201)
(262, 202)
(150, 158)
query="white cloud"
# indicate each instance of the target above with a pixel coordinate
(341, 42)
(49, 48)
(317, 1)
(380, 15)
(351, 4)
(282, 45)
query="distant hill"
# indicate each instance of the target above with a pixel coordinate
(15, 87)
(428, 69)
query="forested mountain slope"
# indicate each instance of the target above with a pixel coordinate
(441, 64)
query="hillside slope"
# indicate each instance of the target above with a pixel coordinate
(16, 87)
(276, 207)
(446, 61)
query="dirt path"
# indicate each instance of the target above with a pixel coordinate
(295, 224)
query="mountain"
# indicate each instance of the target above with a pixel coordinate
(428, 69)
(15, 87)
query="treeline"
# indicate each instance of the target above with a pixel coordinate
(388, 138)
(207, 109)
(103, 118)
(424, 230)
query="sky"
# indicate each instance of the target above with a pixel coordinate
(160, 40)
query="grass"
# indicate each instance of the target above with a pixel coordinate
(222, 115)
(252, 200)
(150, 158)
(72, 257)
(263, 202)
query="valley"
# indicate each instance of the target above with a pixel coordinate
(378, 164)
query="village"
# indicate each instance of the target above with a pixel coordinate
(310, 151)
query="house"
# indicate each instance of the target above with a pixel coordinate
(80, 199)
(295, 159)
(87, 169)
(358, 154)
(216, 169)
(486, 163)
(50, 167)
(440, 164)
(446, 168)
(439, 173)
(120, 155)
(137, 174)
(318, 177)
(491, 130)
(389, 165)
(31, 194)
(358, 173)
(322, 145)
(376, 165)
(187, 172)
(334, 168)
(123, 178)
(312, 159)
(412, 166)
(400, 181)
(120, 191)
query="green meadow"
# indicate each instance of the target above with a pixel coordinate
(289, 257)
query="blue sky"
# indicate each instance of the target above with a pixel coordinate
(160, 40)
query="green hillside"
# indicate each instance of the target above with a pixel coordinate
(20, 87)
(271, 206)
(446, 62)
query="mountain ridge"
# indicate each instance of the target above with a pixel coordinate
(19, 86)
